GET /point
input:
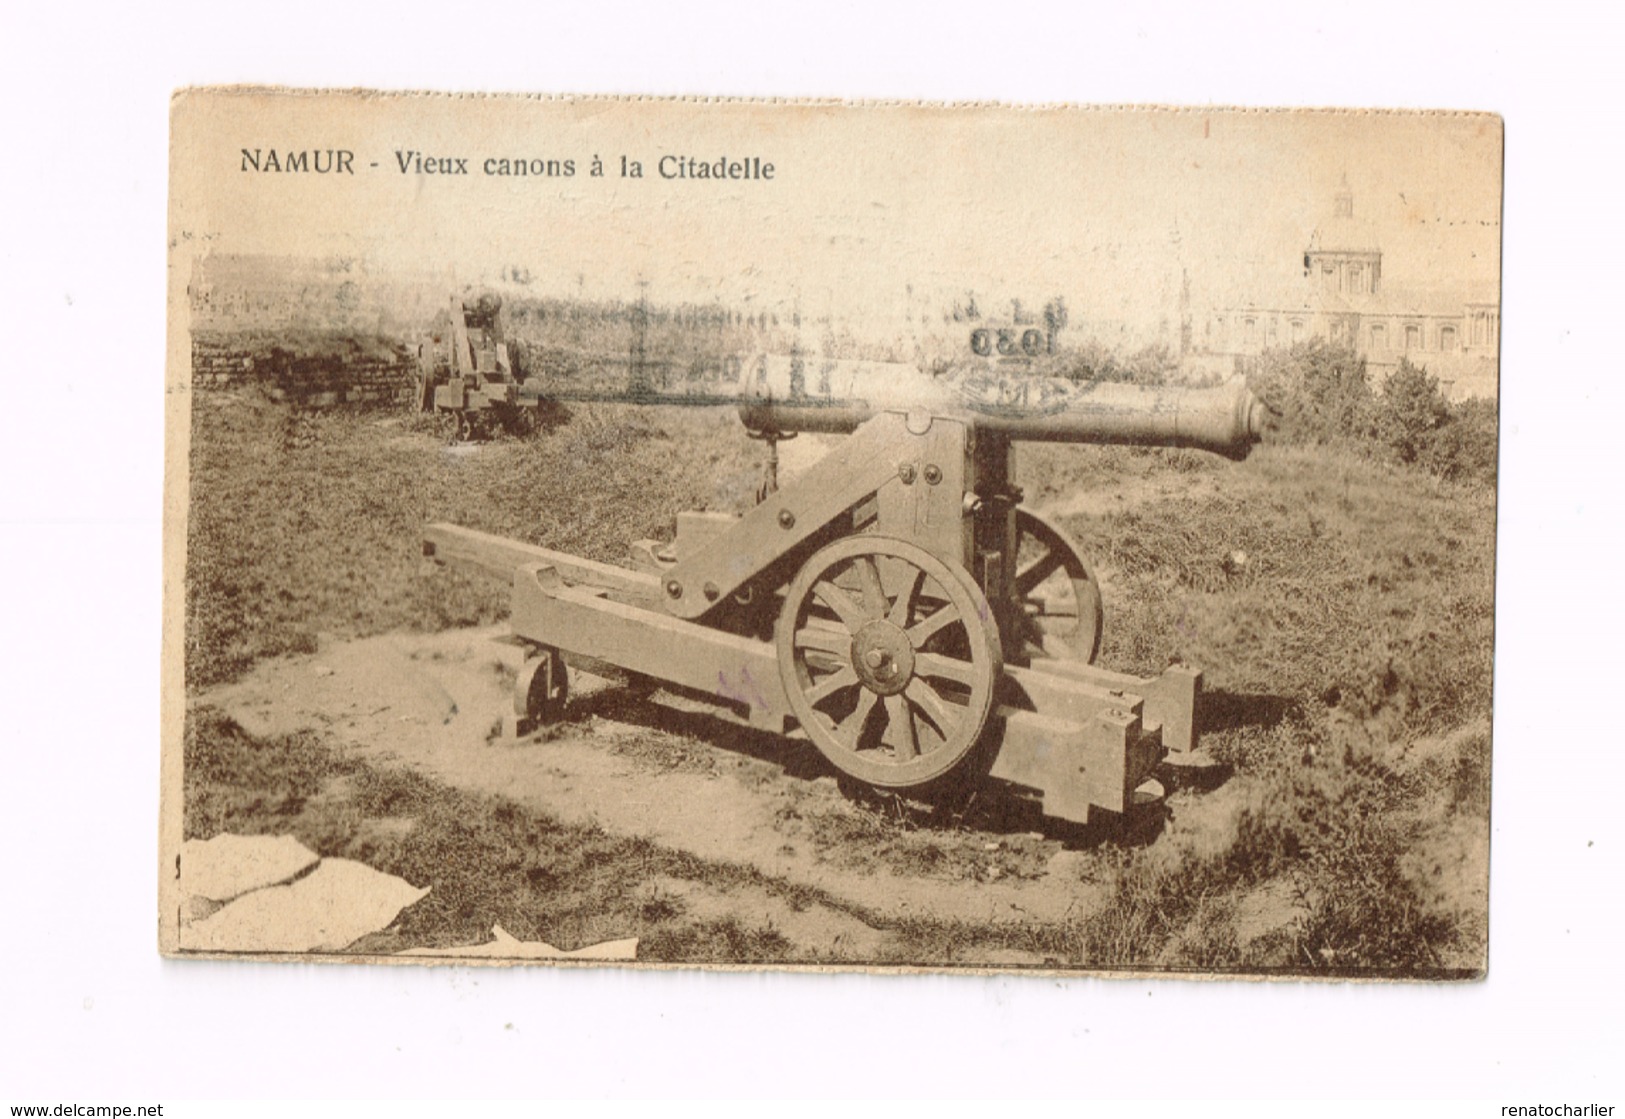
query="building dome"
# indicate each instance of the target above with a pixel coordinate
(1343, 232)
(1344, 235)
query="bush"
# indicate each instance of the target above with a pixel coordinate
(1321, 392)
(1466, 447)
(1324, 397)
(1094, 361)
(1420, 427)
(1410, 412)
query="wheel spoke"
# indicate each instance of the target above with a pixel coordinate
(945, 668)
(924, 631)
(901, 728)
(850, 613)
(842, 677)
(904, 606)
(821, 662)
(1036, 572)
(851, 728)
(825, 639)
(1048, 609)
(874, 595)
(935, 707)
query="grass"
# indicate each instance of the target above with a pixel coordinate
(487, 860)
(1358, 633)
(305, 519)
(1347, 658)
(1356, 636)
(1365, 587)
(491, 861)
(871, 829)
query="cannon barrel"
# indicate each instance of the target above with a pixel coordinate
(828, 396)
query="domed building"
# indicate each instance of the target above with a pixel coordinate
(1343, 254)
(1343, 296)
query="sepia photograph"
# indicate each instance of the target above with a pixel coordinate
(719, 533)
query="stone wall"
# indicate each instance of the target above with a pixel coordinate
(312, 371)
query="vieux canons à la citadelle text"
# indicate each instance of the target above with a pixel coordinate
(722, 167)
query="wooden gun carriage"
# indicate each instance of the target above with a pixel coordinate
(894, 603)
(465, 370)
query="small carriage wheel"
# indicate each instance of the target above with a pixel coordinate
(542, 687)
(889, 657)
(1057, 595)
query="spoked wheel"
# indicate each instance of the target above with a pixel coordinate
(1060, 612)
(889, 657)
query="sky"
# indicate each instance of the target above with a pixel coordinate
(871, 212)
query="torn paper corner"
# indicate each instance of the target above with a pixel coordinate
(504, 946)
(330, 908)
(229, 866)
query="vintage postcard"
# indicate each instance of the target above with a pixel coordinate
(728, 533)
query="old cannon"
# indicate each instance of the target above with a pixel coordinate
(465, 369)
(894, 603)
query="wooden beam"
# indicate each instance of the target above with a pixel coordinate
(500, 558)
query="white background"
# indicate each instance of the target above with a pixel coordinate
(87, 1008)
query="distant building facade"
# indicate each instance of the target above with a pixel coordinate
(1343, 296)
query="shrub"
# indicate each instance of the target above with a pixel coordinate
(1410, 412)
(1324, 396)
(1094, 361)
(1466, 447)
(1420, 427)
(1321, 392)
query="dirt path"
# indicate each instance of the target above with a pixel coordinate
(433, 703)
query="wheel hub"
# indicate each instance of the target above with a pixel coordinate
(883, 657)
